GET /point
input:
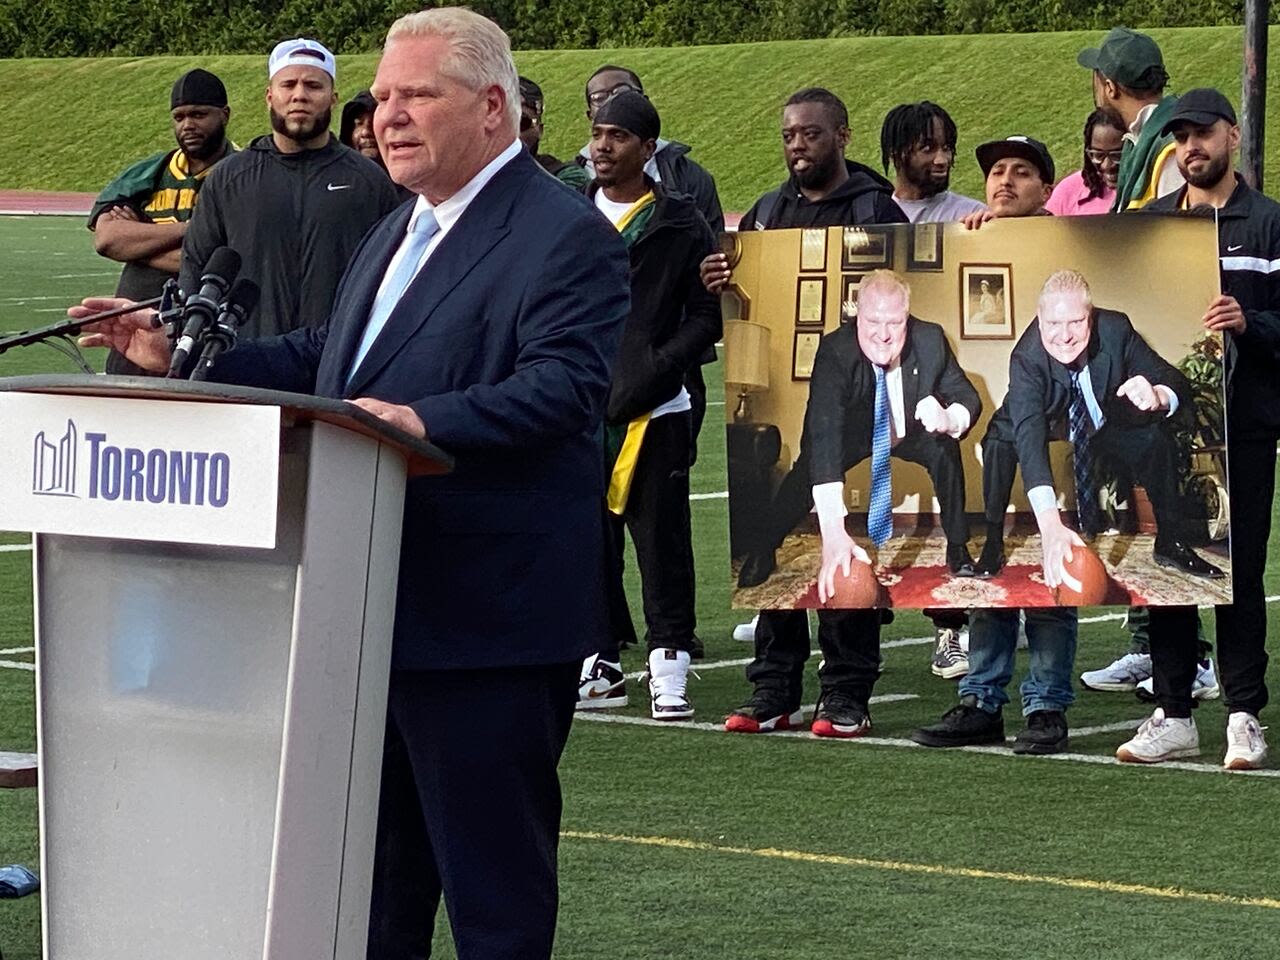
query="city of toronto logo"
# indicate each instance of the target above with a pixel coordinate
(53, 467)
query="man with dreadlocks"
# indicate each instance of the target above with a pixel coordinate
(919, 139)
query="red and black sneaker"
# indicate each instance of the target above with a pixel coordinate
(765, 712)
(839, 714)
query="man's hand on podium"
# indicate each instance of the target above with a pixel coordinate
(400, 417)
(130, 334)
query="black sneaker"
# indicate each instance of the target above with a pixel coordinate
(765, 712)
(840, 714)
(1045, 732)
(966, 724)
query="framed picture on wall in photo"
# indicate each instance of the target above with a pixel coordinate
(850, 283)
(811, 296)
(924, 251)
(986, 301)
(865, 248)
(803, 351)
(813, 249)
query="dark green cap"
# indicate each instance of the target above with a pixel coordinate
(1128, 58)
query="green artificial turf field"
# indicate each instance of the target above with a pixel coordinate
(688, 842)
(72, 124)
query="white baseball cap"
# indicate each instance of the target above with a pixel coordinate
(301, 52)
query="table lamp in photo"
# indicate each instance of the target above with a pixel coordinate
(746, 362)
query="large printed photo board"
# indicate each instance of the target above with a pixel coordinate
(906, 375)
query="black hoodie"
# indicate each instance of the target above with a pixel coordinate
(673, 319)
(294, 218)
(866, 197)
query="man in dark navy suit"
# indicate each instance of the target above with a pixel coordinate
(484, 316)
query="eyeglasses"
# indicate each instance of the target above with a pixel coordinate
(600, 96)
(1097, 156)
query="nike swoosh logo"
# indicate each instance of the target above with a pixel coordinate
(1235, 248)
(339, 186)
(593, 694)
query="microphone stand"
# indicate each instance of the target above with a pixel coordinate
(69, 328)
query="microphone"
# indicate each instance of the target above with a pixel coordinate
(201, 308)
(240, 303)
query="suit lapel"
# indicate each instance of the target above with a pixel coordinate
(482, 225)
(357, 303)
(910, 382)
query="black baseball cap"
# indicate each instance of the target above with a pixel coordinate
(1025, 148)
(1127, 57)
(1202, 106)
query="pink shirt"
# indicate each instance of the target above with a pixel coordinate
(1069, 198)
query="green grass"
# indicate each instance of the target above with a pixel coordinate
(72, 124)
(1157, 828)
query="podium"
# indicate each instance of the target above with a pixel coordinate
(210, 714)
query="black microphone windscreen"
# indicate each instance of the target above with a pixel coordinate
(245, 294)
(224, 263)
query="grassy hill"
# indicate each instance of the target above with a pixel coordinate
(71, 124)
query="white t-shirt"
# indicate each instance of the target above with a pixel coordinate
(942, 207)
(615, 211)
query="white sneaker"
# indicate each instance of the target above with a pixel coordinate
(949, 661)
(1203, 687)
(601, 685)
(1246, 747)
(746, 632)
(668, 677)
(1120, 675)
(1161, 738)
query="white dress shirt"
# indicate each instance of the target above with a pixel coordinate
(447, 213)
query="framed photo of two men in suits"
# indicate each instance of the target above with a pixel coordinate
(985, 407)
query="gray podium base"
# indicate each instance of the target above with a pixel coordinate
(210, 724)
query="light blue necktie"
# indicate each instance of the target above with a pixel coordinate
(415, 244)
(879, 513)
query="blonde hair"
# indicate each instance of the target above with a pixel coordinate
(886, 281)
(480, 54)
(1065, 282)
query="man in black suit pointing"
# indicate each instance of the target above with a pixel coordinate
(1083, 373)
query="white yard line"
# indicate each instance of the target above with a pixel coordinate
(17, 665)
(696, 727)
(12, 650)
(14, 547)
(718, 495)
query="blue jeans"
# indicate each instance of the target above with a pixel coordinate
(993, 641)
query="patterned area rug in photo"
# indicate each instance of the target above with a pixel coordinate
(914, 573)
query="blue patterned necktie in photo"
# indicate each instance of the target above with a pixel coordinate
(424, 228)
(1081, 430)
(879, 513)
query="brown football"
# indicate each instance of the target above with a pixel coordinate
(859, 589)
(1085, 566)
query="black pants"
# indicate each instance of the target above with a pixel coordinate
(470, 806)
(939, 455)
(1145, 454)
(657, 516)
(1242, 626)
(697, 387)
(850, 645)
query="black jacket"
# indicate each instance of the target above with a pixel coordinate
(1039, 397)
(295, 220)
(866, 197)
(842, 394)
(673, 320)
(1249, 255)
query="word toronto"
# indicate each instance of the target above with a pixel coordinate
(157, 476)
